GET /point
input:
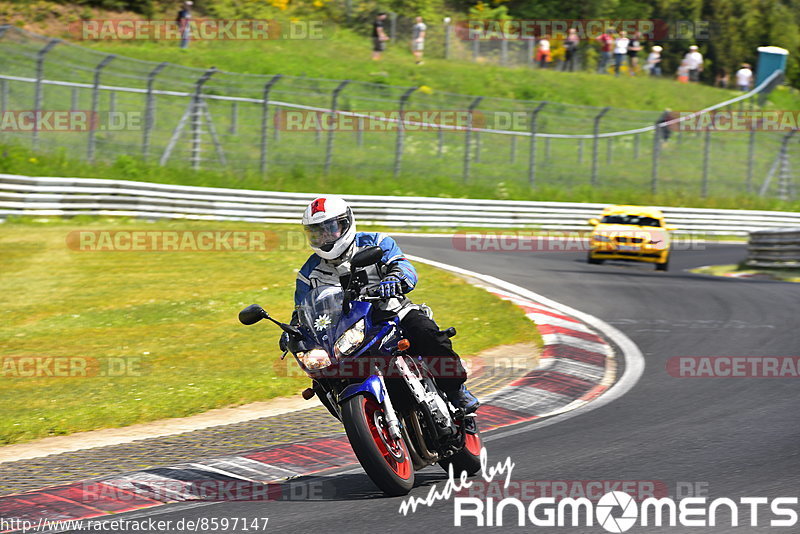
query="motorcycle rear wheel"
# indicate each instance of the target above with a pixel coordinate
(469, 458)
(385, 459)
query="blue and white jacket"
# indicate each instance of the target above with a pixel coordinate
(320, 272)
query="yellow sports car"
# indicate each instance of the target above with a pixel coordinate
(633, 233)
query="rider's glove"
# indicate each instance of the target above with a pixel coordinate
(391, 286)
(284, 342)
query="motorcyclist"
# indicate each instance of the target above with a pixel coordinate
(331, 231)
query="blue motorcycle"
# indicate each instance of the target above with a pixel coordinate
(396, 418)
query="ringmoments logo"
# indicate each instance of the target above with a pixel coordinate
(617, 511)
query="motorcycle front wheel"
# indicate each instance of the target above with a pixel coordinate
(384, 458)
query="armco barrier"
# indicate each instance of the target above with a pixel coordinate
(44, 196)
(774, 248)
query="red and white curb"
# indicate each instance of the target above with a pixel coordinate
(577, 371)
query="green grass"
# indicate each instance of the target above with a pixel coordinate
(346, 55)
(172, 317)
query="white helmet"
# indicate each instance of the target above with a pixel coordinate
(329, 226)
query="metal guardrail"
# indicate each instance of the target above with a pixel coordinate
(52, 196)
(779, 247)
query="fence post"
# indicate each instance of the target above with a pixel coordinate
(656, 151)
(504, 52)
(751, 152)
(609, 149)
(197, 116)
(532, 145)
(580, 150)
(546, 148)
(3, 95)
(37, 99)
(476, 49)
(265, 122)
(513, 154)
(596, 143)
(393, 26)
(785, 175)
(329, 146)
(468, 138)
(95, 98)
(636, 145)
(706, 161)
(234, 118)
(440, 143)
(149, 109)
(447, 37)
(529, 51)
(74, 99)
(398, 150)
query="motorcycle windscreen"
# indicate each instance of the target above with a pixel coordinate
(320, 312)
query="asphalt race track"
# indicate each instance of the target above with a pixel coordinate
(731, 437)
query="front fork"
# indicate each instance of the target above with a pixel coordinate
(391, 415)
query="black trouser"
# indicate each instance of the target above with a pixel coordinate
(435, 348)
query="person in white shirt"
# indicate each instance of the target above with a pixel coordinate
(418, 39)
(654, 61)
(695, 63)
(620, 50)
(744, 78)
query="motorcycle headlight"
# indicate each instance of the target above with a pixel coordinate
(350, 340)
(314, 359)
(602, 238)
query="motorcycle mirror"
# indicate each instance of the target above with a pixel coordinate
(252, 314)
(367, 256)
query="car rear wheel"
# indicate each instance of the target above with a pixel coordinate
(662, 266)
(592, 260)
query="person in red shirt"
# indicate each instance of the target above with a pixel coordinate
(606, 40)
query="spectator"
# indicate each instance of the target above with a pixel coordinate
(744, 78)
(418, 39)
(379, 36)
(634, 47)
(543, 51)
(683, 71)
(184, 21)
(665, 131)
(571, 49)
(695, 63)
(606, 50)
(722, 79)
(654, 61)
(620, 50)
